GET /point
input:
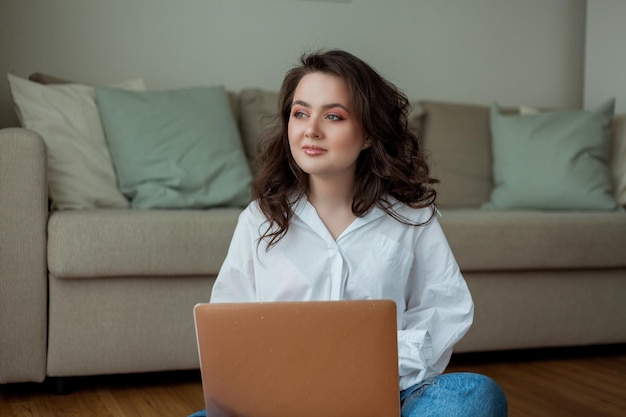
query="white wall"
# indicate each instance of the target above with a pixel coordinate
(511, 51)
(605, 60)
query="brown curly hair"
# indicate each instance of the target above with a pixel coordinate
(393, 165)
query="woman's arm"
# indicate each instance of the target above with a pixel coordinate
(439, 309)
(235, 282)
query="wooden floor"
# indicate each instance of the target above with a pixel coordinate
(538, 384)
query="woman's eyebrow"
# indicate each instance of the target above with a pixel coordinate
(325, 106)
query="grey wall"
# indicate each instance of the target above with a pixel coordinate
(605, 60)
(511, 51)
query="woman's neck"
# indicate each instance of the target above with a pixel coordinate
(333, 192)
(332, 200)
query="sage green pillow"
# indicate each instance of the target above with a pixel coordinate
(556, 160)
(175, 149)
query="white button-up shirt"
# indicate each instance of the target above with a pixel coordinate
(376, 257)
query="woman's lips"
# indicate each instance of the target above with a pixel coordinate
(313, 150)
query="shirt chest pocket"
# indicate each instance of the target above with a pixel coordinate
(380, 270)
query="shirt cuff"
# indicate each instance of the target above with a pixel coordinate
(415, 352)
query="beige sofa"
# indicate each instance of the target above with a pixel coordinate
(87, 292)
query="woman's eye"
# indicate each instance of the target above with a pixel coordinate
(298, 114)
(334, 117)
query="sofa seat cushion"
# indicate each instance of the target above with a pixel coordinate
(535, 240)
(113, 243)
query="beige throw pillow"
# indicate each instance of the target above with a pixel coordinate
(80, 171)
(457, 141)
(256, 110)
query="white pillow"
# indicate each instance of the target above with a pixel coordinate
(80, 171)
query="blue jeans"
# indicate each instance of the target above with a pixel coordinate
(455, 394)
(460, 394)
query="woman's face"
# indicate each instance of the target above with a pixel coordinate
(325, 135)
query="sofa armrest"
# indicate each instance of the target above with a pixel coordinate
(23, 270)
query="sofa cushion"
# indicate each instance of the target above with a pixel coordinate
(457, 140)
(617, 154)
(535, 240)
(554, 160)
(257, 109)
(112, 243)
(195, 242)
(618, 158)
(79, 168)
(175, 149)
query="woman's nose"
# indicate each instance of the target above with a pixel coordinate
(312, 129)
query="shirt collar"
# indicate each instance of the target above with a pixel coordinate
(304, 210)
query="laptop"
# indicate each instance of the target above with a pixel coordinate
(299, 359)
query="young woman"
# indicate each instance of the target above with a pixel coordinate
(343, 208)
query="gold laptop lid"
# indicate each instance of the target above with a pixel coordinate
(299, 359)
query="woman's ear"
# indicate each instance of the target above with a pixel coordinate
(367, 143)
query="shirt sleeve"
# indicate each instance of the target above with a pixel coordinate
(439, 309)
(235, 281)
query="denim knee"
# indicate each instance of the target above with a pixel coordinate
(488, 392)
(455, 394)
